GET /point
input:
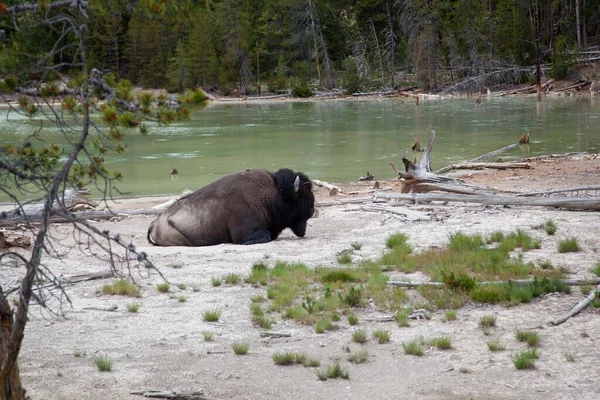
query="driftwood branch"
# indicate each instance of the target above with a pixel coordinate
(169, 394)
(569, 203)
(275, 334)
(333, 190)
(577, 309)
(482, 165)
(566, 190)
(97, 215)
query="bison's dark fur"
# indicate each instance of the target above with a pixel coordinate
(248, 207)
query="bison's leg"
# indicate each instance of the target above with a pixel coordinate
(257, 236)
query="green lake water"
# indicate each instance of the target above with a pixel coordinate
(336, 140)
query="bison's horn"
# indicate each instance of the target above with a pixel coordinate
(297, 183)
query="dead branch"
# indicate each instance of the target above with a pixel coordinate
(577, 309)
(95, 215)
(410, 215)
(275, 334)
(576, 86)
(169, 394)
(566, 190)
(482, 165)
(569, 203)
(333, 190)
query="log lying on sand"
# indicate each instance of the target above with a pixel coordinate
(333, 190)
(577, 309)
(574, 203)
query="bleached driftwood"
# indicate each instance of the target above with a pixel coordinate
(554, 191)
(170, 394)
(70, 199)
(570, 203)
(482, 165)
(333, 190)
(409, 215)
(275, 334)
(93, 215)
(577, 309)
(568, 282)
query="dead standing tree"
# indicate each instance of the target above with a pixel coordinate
(47, 171)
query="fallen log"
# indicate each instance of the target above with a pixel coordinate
(577, 309)
(482, 165)
(569, 203)
(333, 190)
(554, 191)
(170, 394)
(95, 215)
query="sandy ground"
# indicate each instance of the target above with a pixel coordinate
(162, 346)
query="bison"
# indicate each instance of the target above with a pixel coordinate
(247, 207)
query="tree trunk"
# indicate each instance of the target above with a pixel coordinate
(10, 381)
(578, 23)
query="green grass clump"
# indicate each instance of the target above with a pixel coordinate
(232, 279)
(345, 258)
(450, 315)
(495, 345)
(79, 353)
(396, 240)
(545, 264)
(339, 275)
(382, 336)
(163, 287)
(442, 342)
(514, 294)
(356, 245)
(122, 287)
(401, 318)
(463, 242)
(570, 357)
(265, 322)
(359, 336)
(487, 321)
(103, 363)
(550, 227)
(413, 348)
(568, 246)
(352, 319)
(216, 281)
(257, 298)
(333, 372)
(133, 307)
(323, 325)
(353, 297)
(525, 359)
(211, 315)
(596, 270)
(358, 357)
(289, 358)
(181, 299)
(258, 274)
(208, 336)
(495, 237)
(531, 337)
(240, 348)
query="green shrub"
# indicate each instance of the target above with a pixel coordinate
(568, 246)
(302, 89)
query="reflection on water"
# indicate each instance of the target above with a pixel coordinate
(338, 140)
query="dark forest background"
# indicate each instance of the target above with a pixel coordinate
(237, 45)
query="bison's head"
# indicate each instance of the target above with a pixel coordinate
(296, 192)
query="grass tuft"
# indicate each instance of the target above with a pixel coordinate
(382, 336)
(79, 353)
(232, 279)
(450, 315)
(396, 240)
(163, 287)
(345, 258)
(570, 357)
(359, 336)
(104, 363)
(333, 372)
(568, 246)
(550, 227)
(240, 348)
(495, 345)
(443, 342)
(208, 336)
(133, 307)
(525, 359)
(216, 281)
(322, 325)
(358, 357)
(531, 337)
(487, 321)
(352, 319)
(211, 315)
(401, 318)
(122, 287)
(596, 270)
(414, 348)
(356, 245)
